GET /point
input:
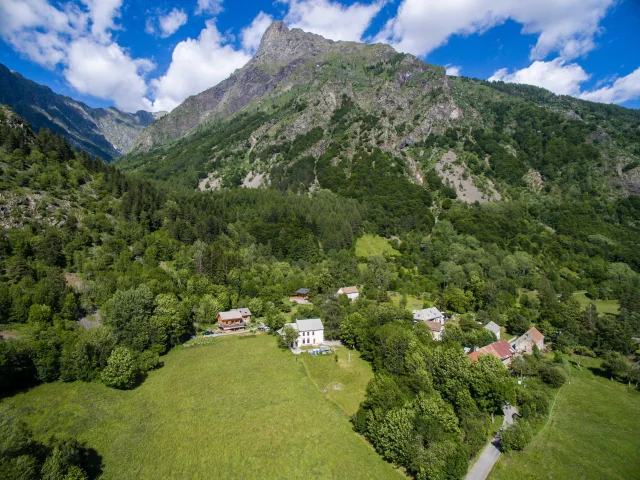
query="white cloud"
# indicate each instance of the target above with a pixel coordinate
(567, 26)
(196, 65)
(211, 7)
(453, 70)
(252, 34)
(622, 90)
(106, 71)
(332, 20)
(556, 75)
(103, 14)
(167, 24)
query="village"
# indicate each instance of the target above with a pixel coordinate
(307, 334)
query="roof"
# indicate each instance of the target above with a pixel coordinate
(347, 290)
(493, 327)
(245, 312)
(434, 326)
(427, 314)
(308, 325)
(500, 349)
(535, 335)
(302, 291)
(231, 315)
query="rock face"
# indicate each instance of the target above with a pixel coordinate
(106, 133)
(294, 59)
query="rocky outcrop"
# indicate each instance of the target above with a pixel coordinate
(106, 133)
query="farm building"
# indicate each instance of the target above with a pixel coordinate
(500, 349)
(494, 328)
(526, 342)
(351, 292)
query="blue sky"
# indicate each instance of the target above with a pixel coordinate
(152, 55)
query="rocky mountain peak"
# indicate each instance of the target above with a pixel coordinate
(280, 45)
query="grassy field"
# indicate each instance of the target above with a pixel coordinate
(235, 408)
(351, 377)
(374, 245)
(603, 306)
(592, 434)
(413, 303)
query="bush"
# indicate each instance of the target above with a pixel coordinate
(121, 369)
(516, 436)
(553, 376)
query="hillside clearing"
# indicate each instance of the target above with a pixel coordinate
(602, 306)
(592, 434)
(374, 245)
(236, 408)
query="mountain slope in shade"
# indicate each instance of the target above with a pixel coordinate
(106, 133)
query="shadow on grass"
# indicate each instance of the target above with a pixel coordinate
(93, 463)
(600, 372)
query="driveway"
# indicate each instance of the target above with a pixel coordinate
(491, 453)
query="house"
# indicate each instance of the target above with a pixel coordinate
(526, 342)
(236, 319)
(428, 315)
(351, 292)
(500, 349)
(310, 332)
(302, 293)
(494, 328)
(436, 329)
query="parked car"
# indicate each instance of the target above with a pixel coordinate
(207, 333)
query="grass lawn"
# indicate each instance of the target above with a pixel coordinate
(413, 303)
(351, 377)
(592, 434)
(603, 306)
(374, 245)
(235, 408)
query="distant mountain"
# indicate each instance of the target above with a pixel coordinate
(307, 113)
(106, 133)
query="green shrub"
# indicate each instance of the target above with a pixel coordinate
(516, 436)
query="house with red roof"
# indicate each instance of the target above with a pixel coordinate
(500, 349)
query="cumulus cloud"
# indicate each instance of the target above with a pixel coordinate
(196, 65)
(102, 14)
(106, 71)
(252, 34)
(331, 19)
(567, 27)
(211, 7)
(453, 70)
(559, 77)
(622, 90)
(167, 24)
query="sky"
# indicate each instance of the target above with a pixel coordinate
(151, 55)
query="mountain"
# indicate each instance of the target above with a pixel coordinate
(106, 133)
(306, 113)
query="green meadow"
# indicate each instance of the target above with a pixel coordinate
(602, 306)
(233, 408)
(592, 434)
(374, 245)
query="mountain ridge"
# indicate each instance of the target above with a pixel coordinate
(106, 133)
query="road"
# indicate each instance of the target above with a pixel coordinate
(491, 453)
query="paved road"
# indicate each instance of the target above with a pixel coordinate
(491, 454)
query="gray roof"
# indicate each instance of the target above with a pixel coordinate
(493, 327)
(302, 290)
(310, 324)
(427, 314)
(245, 312)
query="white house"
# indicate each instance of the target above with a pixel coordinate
(494, 328)
(428, 315)
(526, 342)
(310, 332)
(436, 329)
(351, 292)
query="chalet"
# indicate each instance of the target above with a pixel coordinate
(494, 328)
(500, 349)
(310, 332)
(351, 292)
(428, 315)
(526, 342)
(234, 319)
